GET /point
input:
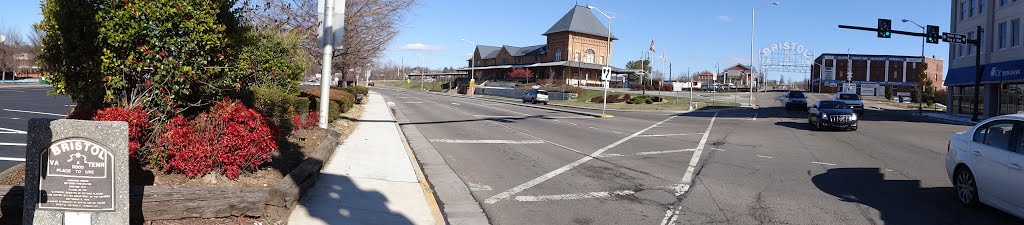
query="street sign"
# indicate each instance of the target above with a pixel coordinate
(829, 73)
(954, 38)
(606, 73)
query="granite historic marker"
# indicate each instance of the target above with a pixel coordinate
(78, 176)
(76, 172)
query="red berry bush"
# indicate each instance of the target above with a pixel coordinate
(231, 138)
(138, 124)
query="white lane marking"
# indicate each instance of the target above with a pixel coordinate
(11, 131)
(600, 194)
(556, 172)
(11, 144)
(822, 163)
(12, 159)
(495, 108)
(647, 153)
(455, 103)
(391, 104)
(663, 135)
(478, 187)
(413, 102)
(717, 149)
(34, 112)
(453, 141)
(569, 117)
(672, 214)
(557, 121)
(767, 157)
(574, 124)
(616, 132)
(494, 116)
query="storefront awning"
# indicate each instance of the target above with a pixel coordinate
(1009, 71)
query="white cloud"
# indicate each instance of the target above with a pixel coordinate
(726, 19)
(420, 47)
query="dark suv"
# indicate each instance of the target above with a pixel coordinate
(796, 99)
(832, 114)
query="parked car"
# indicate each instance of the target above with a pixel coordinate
(832, 114)
(536, 96)
(986, 164)
(796, 99)
(851, 99)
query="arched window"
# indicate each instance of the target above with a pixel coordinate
(558, 54)
(588, 56)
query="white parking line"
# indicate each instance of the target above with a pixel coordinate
(556, 172)
(453, 141)
(413, 102)
(455, 103)
(663, 135)
(821, 163)
(673, 213)
(11, 144)
(11, 131)
(12, 159)
(767, 157)
(33, 112)
(600, 194)
(647, 153)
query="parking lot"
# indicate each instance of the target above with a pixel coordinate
(18, 104)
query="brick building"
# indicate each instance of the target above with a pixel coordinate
(576, 49)
(870, 74)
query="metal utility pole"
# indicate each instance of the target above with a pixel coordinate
(978, 71)
(472, 66)
(328, 47)
(920, 83)
(643, 67)
(608, 60)
(691, 87)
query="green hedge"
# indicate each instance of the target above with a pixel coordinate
(275, 104)
(341, 101)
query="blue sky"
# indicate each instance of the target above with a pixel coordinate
(693, 34)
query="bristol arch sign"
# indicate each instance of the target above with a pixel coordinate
(786, 57)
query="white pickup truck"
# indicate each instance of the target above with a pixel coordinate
(851, 99)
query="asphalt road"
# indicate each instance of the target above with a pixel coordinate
(765, 166)
(17, 106)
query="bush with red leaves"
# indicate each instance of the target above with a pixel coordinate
(138, 124)
(231, 138)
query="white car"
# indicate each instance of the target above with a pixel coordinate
(536, 96)
(851, 99)
(986, 164)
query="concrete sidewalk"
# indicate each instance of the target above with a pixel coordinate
(370, 179)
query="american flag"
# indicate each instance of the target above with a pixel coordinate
(652, 46)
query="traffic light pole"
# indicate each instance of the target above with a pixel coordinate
(978, 70)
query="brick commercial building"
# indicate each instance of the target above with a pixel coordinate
(1002, 57)
(577, 47)
(869, 75)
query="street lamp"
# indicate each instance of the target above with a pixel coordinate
(3, 74)
(920, 83)
(472, 64)
(753, 11)
(608, 60)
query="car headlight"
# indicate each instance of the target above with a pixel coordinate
(824, 116)
(853, 117)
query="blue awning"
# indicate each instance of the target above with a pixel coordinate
(1009, 71)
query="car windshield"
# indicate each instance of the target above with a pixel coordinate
(833, 105)
(848, 97)
(796, 95)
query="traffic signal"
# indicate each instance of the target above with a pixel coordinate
(933, 34)
(884, 28)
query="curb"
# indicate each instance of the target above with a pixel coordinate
(947, 120)
(428, 190)
(569, 106)
(457, 204)
(513, 103)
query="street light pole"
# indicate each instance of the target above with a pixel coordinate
(325, 71)
(920, 83)
(608, 60)
(753, 11)
(472, 66)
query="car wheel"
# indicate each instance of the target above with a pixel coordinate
(524, 100)
(966, 187)
(545, 103)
